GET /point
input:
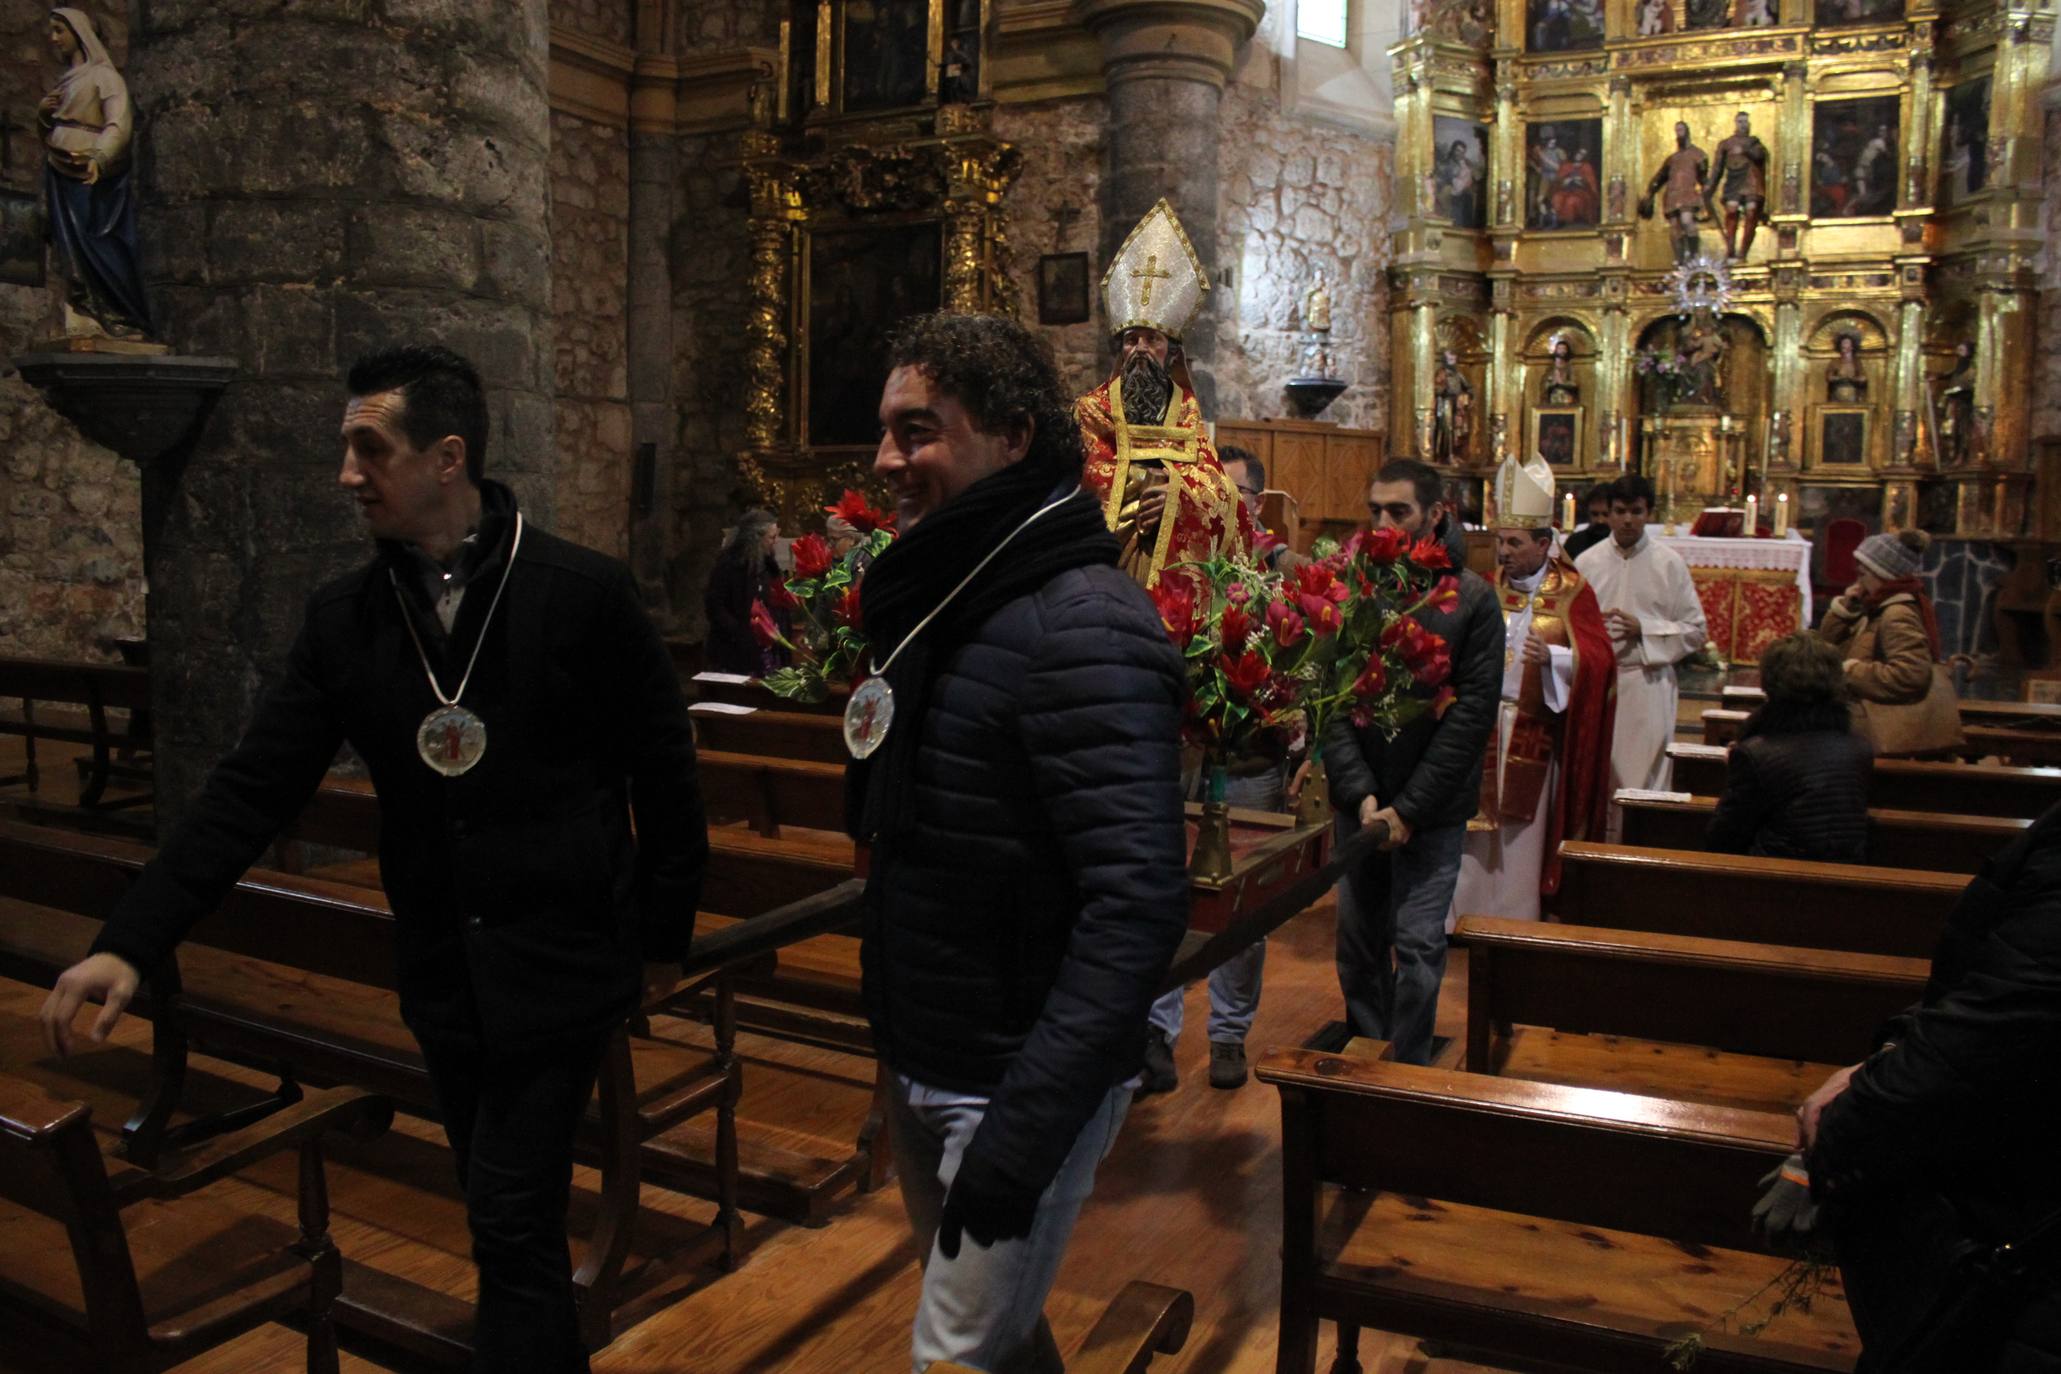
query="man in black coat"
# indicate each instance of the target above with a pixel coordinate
(1939, 1148)
(513, 704)
(1424, 784)
(1028, 883)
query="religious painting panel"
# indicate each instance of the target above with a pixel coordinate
(1854, 157)
(1556, 434)
(1459, 171)
(1564, 25)
(1842, 436)
(21, 238)
(1562, 187)
(1964, 142)
(862, 282)
(1834, 14)
(1723, 14)
(1651, 18)
(886, 53)
(959, 72)
(1063, 288)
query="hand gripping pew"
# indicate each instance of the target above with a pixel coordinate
(1718, 1021)
(1545, 1226)
(1770, 901)
(1938, 840)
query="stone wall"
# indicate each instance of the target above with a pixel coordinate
(1963, 577)
(1056, 207)
(590, 207)
(609, 19)
(71, 543)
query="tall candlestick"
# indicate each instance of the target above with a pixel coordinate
(1752, 516)
(1782, 515)
(1567, 513)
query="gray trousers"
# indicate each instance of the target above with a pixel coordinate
(1397, 901)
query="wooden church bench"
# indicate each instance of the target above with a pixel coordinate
(1143, 1320)
(182, 1273)
(772, 731)
(1969, 789)
(703, 686)
(1549, 1226)
(771, 793)
(1938, 840)
(1770, 901)
(97, 687)
(1717, 1021)
(2030, 746)
(295, 975)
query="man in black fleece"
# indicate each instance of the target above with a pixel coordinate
(526, 916)
(1028, 881)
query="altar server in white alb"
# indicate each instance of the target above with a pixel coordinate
(1655, 620)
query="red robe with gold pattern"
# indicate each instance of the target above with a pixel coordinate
(1204, 516)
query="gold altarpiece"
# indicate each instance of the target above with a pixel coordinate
(1901, 221)
(876, 189)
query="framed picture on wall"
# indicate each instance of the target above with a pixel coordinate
(1841, 436)
(21, 238)
(1556, 434)
(1562, 183)
(1063, 288)
(862, 282)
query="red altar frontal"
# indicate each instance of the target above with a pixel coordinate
(1754, 591)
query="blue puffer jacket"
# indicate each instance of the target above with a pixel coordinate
(1017, 932)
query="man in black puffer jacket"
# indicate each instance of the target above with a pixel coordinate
(1028, 882)
(1424, 783)
(1940, 1147)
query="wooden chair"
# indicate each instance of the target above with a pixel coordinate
(151, 1294)
(1144, 1320)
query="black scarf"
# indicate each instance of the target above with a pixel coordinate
(920, 569)
(478, 559)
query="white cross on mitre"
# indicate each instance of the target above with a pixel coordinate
(1155, 281)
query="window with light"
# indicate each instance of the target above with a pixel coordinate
(1321, 21)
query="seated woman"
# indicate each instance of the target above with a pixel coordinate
(737, 592)
(1797, 787)
(1884, 624)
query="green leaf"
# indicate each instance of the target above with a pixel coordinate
(796, 683)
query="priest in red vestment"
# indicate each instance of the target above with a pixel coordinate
(1546, 777)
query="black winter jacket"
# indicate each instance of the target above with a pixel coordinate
(1797, 796)
(522, 906)
(1431, 771)
(1016, 937)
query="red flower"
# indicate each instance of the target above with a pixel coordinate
(1434, 670)
(1424, 646)
(1177, 611)
(1442, 699)
(1237, 593)
(781, 599)
(1318, 580)
(847, 608)
(1246, 674)
(1322, 614)
(1287, 626)
(1446, 595)
(1373, 679)
(811, 556)
(1236, 628)
(763, 628)
(1429, 553)
(1384, 545)
(853, 510)
(1401, 633)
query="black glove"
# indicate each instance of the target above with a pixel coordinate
(1785, 1211)
(986, 1206)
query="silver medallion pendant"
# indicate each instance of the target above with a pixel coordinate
(867, 716)
(453, 739)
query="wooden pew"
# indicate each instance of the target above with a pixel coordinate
(771, 731)
(1545, 1001)
(145, 1296)
(297, 972)
(1143, 1320)
(769, 793)
(1937, 840)
(2036, 746)
(1552, 1226)
(2021, 715)
(720, 687)
(1906, 784)
(1736, 897)
(99, 688)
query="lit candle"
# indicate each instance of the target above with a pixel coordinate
(1752, 516)
(1782, 515)
(1567, 513)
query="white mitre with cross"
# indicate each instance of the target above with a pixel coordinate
(1524, 494)
(1156, 281)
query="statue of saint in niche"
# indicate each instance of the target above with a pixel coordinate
(87, 124)
(1957, 408)
(1560, 387)
(1845, 382)
(1452, 413)
(1703, 349)
(1740, 183)
(1681, 185)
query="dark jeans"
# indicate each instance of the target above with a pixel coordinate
(511, 1120)
(1397, 902)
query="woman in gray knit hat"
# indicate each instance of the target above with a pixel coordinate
(1885, 626)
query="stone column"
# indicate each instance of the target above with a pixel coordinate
(654, 166)
(1165, 63)
(296, 218)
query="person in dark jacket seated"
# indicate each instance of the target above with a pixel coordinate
(1018, 781)
(1424, 783)
(1931, 1164)
(1797, 784)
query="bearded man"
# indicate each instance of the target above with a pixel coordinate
(1164, 493)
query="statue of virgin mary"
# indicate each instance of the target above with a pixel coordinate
(88, 124)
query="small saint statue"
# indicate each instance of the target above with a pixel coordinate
(1316, 307)
(1845, 382)
(1957, 408)
(88, 123)
(1560, 387)
(1680, 183)
(1452, 411)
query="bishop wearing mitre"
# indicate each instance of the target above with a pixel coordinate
(1546, 775)
(1149, 460)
